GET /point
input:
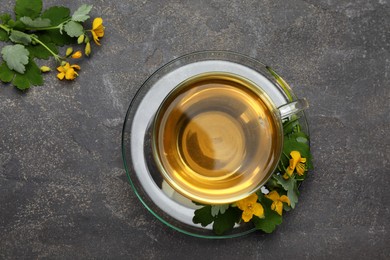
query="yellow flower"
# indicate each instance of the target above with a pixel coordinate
(77, 55)
(67, 71)
(277, 203)
(296, 163)
(97, 29)
(250, 207)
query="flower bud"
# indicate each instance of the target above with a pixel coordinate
(88, 48)
(69, 51)
(80, 40)
(45, 69)
(77, 55)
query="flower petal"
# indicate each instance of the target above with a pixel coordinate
(289, 171)
(70, 74)
(300, 168)
(273, 195)
(95, 38)
(279, 207)
(247, 216)
(258, 210)
(241, 204)
(66, 66)
(99, 31)
(252, 198)
(295, 158)
(76, 66)
(98, 21)
(285, 199)
(61, 69)
(61, 75)
(295, 155)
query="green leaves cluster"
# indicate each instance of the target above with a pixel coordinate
(34, 33)
(224, 217)
(294, 140)
(223, 221)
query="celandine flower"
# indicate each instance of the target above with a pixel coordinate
(250, 207)
(296, 163)
(97, 29)
(277, 203)
(67, 71)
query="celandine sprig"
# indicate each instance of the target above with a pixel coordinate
(35, 34)
(263, 210)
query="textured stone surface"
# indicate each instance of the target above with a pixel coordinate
(63, 189)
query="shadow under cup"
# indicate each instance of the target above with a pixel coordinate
(217, 138)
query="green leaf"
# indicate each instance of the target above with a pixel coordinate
(6, 75)
(4, 18)
(289, 125)
(16, 57)
(290, 185)
(293, 145)
(21, 82)
(293, 195)
(302, 139)
(225, 222)
(81, 14)
(272, 184)
(203, 216)
(30, 8)
(40, 52)
(17, 25)
(33, 74)
(286, 184)
(300, 177)
(271, 218)
(216, 209)
(56, 37)
(3, 35)
(74, 29)
(36, 23)
(20, 37)
(56, 14)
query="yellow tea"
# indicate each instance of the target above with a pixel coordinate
(217, 138)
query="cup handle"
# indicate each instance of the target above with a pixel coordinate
(292, 108)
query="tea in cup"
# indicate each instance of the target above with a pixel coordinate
(218, 137)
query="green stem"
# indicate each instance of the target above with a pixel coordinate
(44, 28)
(288, 157)
(57, 57)
(47, 28)
(5, 28)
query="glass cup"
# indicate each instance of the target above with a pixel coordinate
(217, 137)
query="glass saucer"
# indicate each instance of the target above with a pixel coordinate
(154, 193)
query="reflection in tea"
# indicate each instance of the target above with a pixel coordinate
(216, 138)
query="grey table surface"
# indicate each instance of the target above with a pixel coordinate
(63, 188)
